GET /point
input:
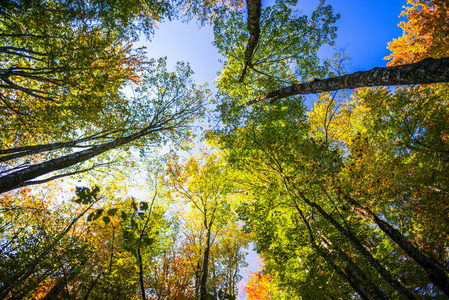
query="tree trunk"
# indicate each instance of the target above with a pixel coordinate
(362, 250)
(346, 268)
(254, 12)
(436, 275)
(16, 179)
(351, 272)
(60, 283)
(203, 288)
(31, 150)
(197, 280)
(92, 286)
(142, 287)
(31, 268)
(428, 70)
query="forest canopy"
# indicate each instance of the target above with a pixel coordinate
(347, 198)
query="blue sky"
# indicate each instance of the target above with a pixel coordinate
(365, 28)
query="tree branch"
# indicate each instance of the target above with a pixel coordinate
(426, 71)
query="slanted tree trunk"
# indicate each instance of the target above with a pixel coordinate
(18, 152)
(436, 274)
(342, 264)
(386, 275)
(254, 12)
(92, 286)
(351, 272)
(428, 70)
(31, 268)
(60, 283)
(18, 178)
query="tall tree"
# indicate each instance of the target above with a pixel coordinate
(284, 53)
(164, 109)
(329, 158)
(204, 184)
(425, 33)
(65, 62)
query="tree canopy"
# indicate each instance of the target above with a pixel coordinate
(344, 199)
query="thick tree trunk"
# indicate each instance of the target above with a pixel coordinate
(18, 152)
(426, 71)
(347, 269)
(254, 12)
(436, 275)
(16, 179)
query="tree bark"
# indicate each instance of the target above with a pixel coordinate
(203, 287)
(436, 274)
(18, 178)
(362, 250)
(254, 12)
(426, 71)
(60, 283)
(346, 268)
(142, 286)
(30, 150)
(92, 286)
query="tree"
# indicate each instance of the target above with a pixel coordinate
(375, 157)
(423, 72)
(425, 33)
(258, 286)
(65, 62)
(37, 247)
(426, 71)
(165, 107)
(285, 52)
(203, 183)
(270, 149)
(309, 171)
(347, 199)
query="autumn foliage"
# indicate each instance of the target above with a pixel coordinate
(425, 32)
(258, 286)
(346, 199)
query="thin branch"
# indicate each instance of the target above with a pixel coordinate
(33, 182)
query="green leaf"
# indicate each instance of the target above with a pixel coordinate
(98, 214)
(95, 191)
(112, 211)
(90, 217)
(106, 220)
(144, 206)
(133, 223)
